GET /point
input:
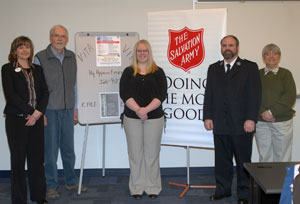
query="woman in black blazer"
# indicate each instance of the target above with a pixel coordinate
(26, 96)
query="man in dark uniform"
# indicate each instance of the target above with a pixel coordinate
(231, 103)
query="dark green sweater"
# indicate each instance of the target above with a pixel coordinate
(278, 94)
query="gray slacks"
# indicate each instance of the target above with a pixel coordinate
(274, 141)
(143, 142)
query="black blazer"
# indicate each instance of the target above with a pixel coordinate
(16, 91)
(231, 99)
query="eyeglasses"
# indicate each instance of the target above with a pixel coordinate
(59, 36)
(142, 51)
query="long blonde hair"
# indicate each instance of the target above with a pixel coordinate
(151, 65)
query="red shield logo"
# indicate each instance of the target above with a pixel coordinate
(186, 48)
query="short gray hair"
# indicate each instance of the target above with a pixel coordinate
(58, 26)
(271, 47)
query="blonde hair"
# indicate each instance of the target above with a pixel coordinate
(151, 65)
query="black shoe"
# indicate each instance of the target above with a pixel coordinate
(42, 202)
(218, 196)
(137, 196)
(152, 196)
(242, 201)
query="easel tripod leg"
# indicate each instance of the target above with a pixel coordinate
(83, 157)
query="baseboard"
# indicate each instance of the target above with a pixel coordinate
(126, 171)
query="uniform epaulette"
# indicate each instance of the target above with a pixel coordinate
(248, 61)
(220, 62)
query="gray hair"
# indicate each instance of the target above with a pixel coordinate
(271, 47)
(58, 26)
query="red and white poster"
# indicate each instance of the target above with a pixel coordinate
(186, 48)
(184, 44)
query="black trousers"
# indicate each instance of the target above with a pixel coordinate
(227, 146)
(26, 142)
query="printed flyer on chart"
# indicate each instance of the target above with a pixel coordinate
(109, 105)
(108, 51)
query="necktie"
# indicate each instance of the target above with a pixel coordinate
(228, 68)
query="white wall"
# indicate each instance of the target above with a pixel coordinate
(34, 19)
(259, 23)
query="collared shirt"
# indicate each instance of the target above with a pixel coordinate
(273, 70)
(57, 55)
(231, 64)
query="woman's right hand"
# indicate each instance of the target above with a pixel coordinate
(141, 114)
(31, 120)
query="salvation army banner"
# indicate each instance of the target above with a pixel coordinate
(184, 44)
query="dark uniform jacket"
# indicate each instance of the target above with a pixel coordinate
(232, 98)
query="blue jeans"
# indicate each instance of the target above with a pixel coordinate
(59, 135)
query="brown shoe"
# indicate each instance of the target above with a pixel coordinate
(52, 193)
(75, 188)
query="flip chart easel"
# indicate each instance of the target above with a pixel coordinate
(101, 58)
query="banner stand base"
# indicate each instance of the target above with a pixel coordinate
(188, 186)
